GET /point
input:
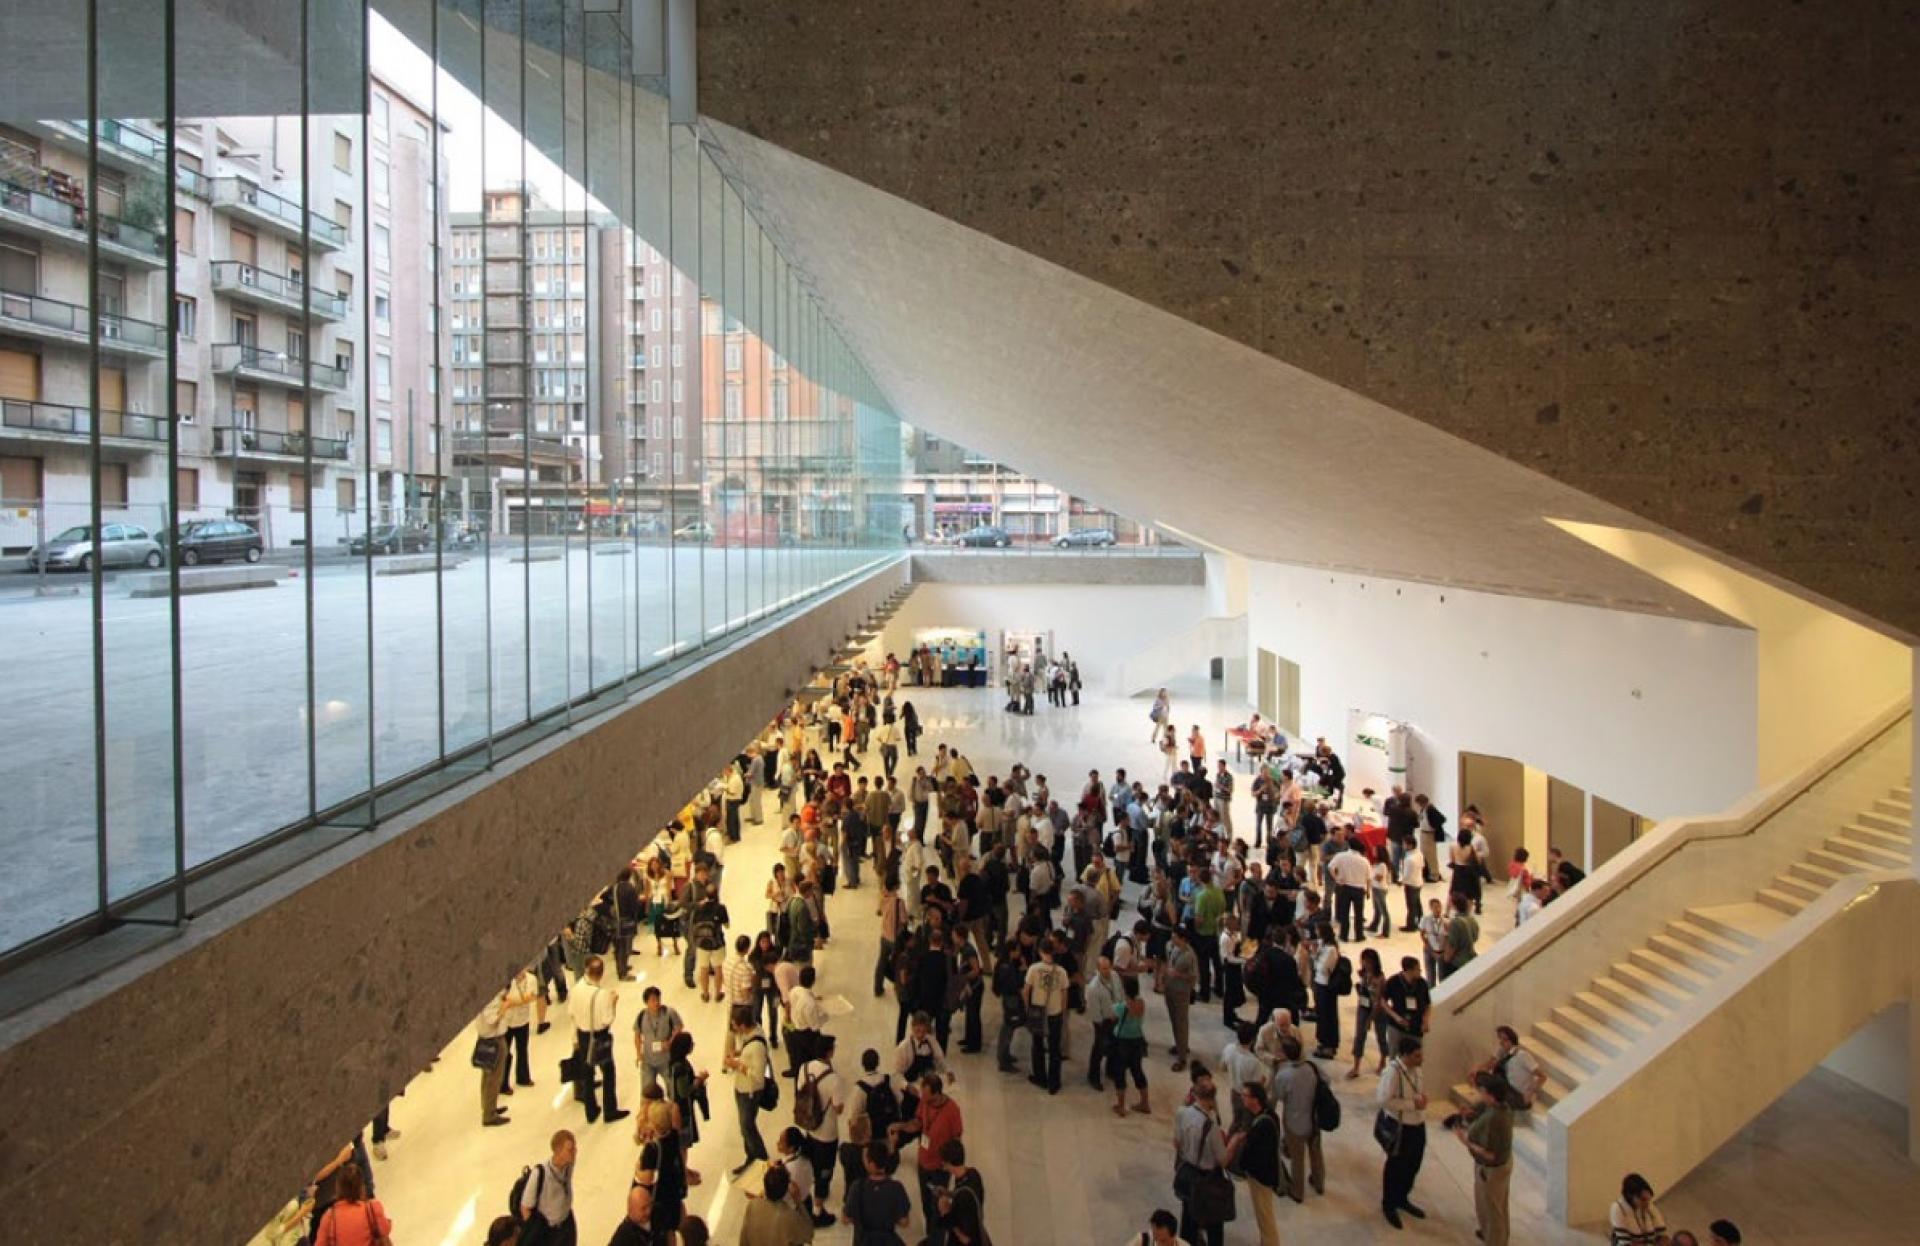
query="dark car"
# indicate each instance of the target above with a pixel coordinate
(214, 540)
(986, 534)
(389, 538)
(1086, 536)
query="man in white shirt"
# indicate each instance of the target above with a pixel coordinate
(1351, 877)
(1413, 870)
(493, 1025)
(548, 1194)
(1046, 991)
(823, 1140)
(748, 1064)
(806, 1016)
(592, 1009)
(1532, 901)
(1402, 1095)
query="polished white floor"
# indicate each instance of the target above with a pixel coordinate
(1062, 1168)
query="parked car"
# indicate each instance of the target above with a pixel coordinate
(986, 534)
(215, 540)
(120, 545)
(389, 538)
(698, 530)
(1086, 536)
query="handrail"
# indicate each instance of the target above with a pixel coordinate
(1756, 811)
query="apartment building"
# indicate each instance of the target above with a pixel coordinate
(268, 308)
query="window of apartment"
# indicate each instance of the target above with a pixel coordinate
(296, 344)
(733, 356)
(382, 247)
(433, 441)
(383, 314)
(346, 495)
(679, 463)
(183, 222)
(343, 356)
(655, 391)
(186, 400)
(343, 285)
(780, 402)
(296, 491)
(659, 427)
(678, 321)
(653, 288)
(296, 413)
(186, 316)
(343, 215)
(733, 402)
(348, 424)
(657, 463)
(679, 356)
(113, 484)
(343, 153)
(383, 374)
(383, 437)
(186, 487)
(20, 479)
(19, 270)
(246, 330)
(679, 427)
(382, 115)
(433, 381)
(382, 180)
(677, 393)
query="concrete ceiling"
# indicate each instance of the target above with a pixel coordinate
(1028, 363)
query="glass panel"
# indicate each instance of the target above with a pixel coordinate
(683, 393)
(552, 209)
(337, 585)
(526, 468)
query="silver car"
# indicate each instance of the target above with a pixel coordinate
(120, 545)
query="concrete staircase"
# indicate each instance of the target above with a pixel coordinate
(1581, 1036)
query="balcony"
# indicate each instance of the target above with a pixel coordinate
(52, 423)
(29, 211)
(50, 320)
(511, 450)
(193, 182)
(250, 363)
(122, 146)
(268, 289)
(238, 197)
(266, 445)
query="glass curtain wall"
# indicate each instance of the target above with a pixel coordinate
(379, 385)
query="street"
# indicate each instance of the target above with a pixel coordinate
(245, 703)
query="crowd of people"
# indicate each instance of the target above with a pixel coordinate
(1044, 920)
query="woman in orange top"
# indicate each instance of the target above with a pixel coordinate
(354, 1219)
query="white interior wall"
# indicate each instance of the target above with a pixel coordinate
(1878, 1056)
(1101, 625)
(1652, 713)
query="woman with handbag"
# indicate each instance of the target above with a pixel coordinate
(354, 1219)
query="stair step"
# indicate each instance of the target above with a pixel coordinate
(1706, 961)
(1552, 1037)
(1627, 995)
(1551, 1092)
(1653, 985)
(1829, 860)
(1623, 1021)
(1592, 1031)
(1560, 1066)
(1781, 901)
(1463, 1095)
(1819, 875)
(1677, 972)
(1745, 923)
(1896, 806)
(1869, 855)
(1530, 1148)
(1796, 886)
(1709, 941)
(1872, 829)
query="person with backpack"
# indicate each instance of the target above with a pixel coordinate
(872, 1105)
(1296, 1084)
(1200, 1178)
(818, 1102)
(355, 1217)
(1254, 1152)
(754, 1088)
(709, 932)
(654, 1027)
(543, 1197)
(935, 1121)
(1045, 995)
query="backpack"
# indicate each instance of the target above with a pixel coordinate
(883, 1107)
(706, 928)
(1112, 944)
(1326, 1105)
(519, 1190)
(809, 1106)
(1341, 979)
(580, 933)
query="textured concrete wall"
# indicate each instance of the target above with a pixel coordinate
(184, 1095)
(1662, 250)
(932, 567)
